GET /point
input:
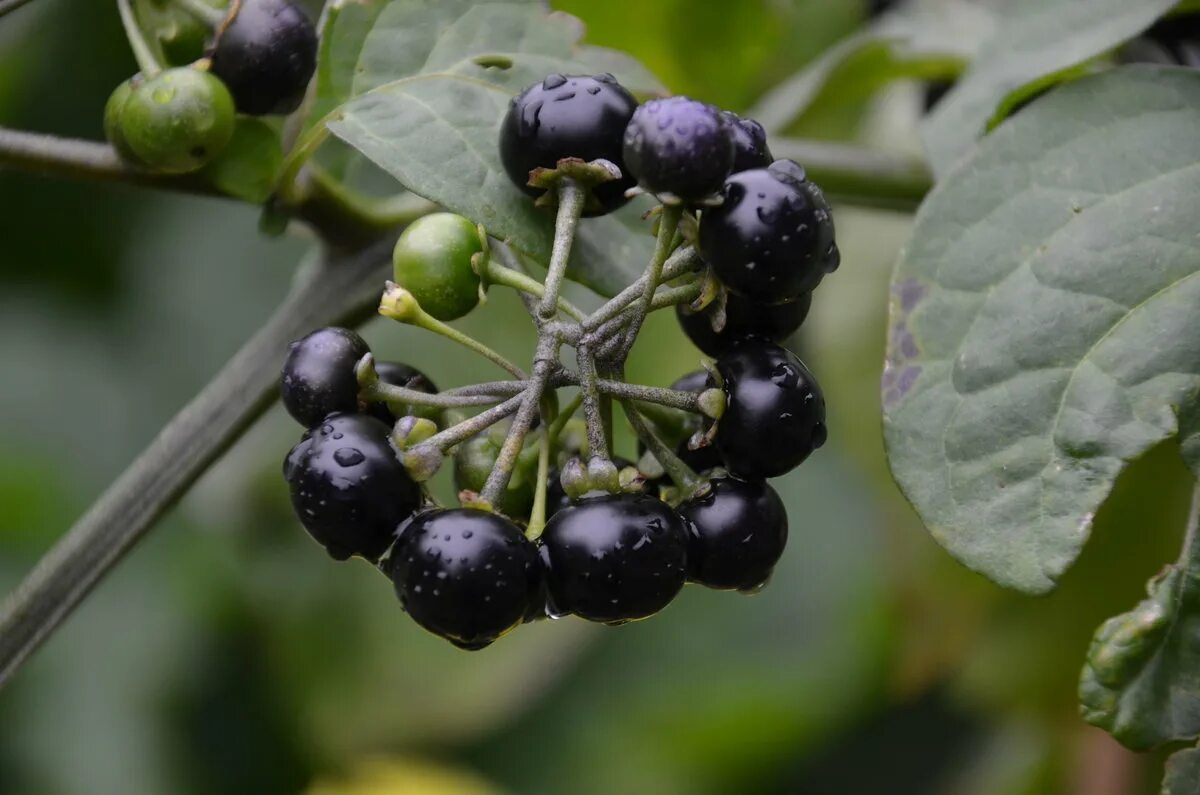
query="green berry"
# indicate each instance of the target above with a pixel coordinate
(432, 260)
(177, 120)
(112, 120)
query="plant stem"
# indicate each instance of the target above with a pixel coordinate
(341, 292)
(490, 388)
(406, 310)
(207, 14)
(570, 210)
(593, 412)
(455, 434)
(668, 222)
(545, 358)
(507, 277)
(682, 261)
(8, 6)
(397, 395)
(683, 475)
(671, 398)
(137, 42)
(537, 514)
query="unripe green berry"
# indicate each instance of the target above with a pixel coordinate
(177, 120)
(432, 260)
(112, 120)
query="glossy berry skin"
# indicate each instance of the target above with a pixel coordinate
(679, 146)
(556, 495)
(348, 488)
(772, 237)
(743, 318)
(614, 558)
(318, 375)
(774, 415)
(432, 260)
(566, 116)
(466, 575)
(736, 534)
(266, 54)
(176, 121)
(750, 148)
(400, 374)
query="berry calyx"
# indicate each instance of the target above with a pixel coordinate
(348, 488)
(614, 558)
(750, 148)
(679, 146)
(174, 122)
(266, 53)
(743, 318)
(775, 412)
(318, 375)
(772, 237)
(736, 533)
(557, 497)
(432, 260)
(466, 575)
(568, 116)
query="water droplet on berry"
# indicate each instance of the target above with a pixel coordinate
(783, 374)
(468, 533)
(553, 81)
(348, 456)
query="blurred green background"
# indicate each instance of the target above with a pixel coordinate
(228, 654)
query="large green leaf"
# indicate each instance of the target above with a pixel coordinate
(1142, 677)
(344, 28)
(928, 40)
(1036, 43)
(1042, 320)
(1183, 773)
(433, 85)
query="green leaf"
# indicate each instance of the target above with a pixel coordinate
(1141, 681)
(1183, 773)
(1037, 43)
(928, 40)
(248, 167)
(344, 28)
(428, 106)
(1042, 321)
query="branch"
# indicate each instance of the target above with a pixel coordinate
(7, 6)
(342, 291)
(859, 175)
(344, 222)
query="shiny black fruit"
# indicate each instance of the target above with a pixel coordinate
(743, 318)
(266, 54)
(679, 146)
(318, 376)
(736, 534)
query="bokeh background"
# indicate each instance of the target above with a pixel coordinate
(228, 654)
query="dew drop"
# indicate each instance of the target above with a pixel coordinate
(348, 456)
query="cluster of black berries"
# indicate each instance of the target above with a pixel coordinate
(259, 60)
(618, 553)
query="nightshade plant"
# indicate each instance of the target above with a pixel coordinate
(1041, 332)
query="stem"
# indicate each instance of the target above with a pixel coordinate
(593, 412)
(672, 398)
(137, 42)
(668, 222)
(490, 388)
(507, 277)
(683, 475)
(570, 210)
(210, 16)
(8, 6)
(455, 434)
(544, 360)
(682, 261)
(405, 309)
(537, 514)
(399, 396)
(339, 293)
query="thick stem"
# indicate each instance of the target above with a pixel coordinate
(593, 411)
(137, 41)
(570, 209)
(464, 430)
(341, 292)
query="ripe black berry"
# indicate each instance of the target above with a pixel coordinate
(1172, 40)
(614, 558)
(772, 237)
(318, 376)
(775, 413)
(743, 318)
(348, 489)
(399, 374)
(464, 574)
(266, 54)
(568, 116)
(736, 534)
(702, 459)
(749, 143)
(679, 146)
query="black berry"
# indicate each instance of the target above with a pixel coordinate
(614, 558)
(736, 534)
(266, 54)
(318, 376)
(679, 146)
(348, 489)
(466, 575)
(702, 459)
(743, 318)
(772, 237)
(749, 143)
(1172, 40)
(775, 413)
(568, 116)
